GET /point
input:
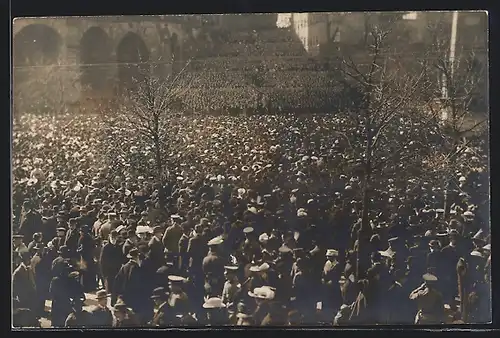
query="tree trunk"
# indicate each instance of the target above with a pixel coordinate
(365, 230)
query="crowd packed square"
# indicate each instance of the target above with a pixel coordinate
(255, 225)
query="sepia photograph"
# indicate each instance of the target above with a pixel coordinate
(323, 169)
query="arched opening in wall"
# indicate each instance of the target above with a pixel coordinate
(95, 62)
(34, 46)
(132, 56)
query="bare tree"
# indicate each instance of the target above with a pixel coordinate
(463, 81)
(43, 88)
(139, 130)
(393, 133)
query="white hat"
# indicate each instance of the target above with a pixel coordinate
(215, 241)
(332, 253)
(469, 214)
(214, 303)
(301, 212)
(487, 247)
(264, 292)
(476, 253)
(263, 238)
(462, 179)
(260, 268)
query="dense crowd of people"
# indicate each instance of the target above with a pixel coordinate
(255, 224)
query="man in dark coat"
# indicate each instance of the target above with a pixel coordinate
(101, 314)
(171, 238)
(450, 256)
(156, 248)
(60, 261)
(41, 264)
(72, 237)
(330, 278)
(86, 249)
(183, 246)
(111, 260)
(196, 251)
(434, 257)
(163, 317)
(429, 302)
(60, 238)
(31, 221)
(129, 283)
(63, 289)
(213, 265)
(23, 284)
(49, 225)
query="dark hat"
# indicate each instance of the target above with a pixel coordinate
(101, 294)
(133, 253)
(159, 293)
(429, 277)
(120, 304)
(84, 228)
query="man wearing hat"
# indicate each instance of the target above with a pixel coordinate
(18, 248)
(124, 317)
(171, 238)
(183, 246)
(110, 262)
(429, 301)
(232, 286)
(86, 250)
(31, 220)
(23, 284)
(450, 256)
(178, 300)
(330, 276)
(162, 317)
(49, 224)
(262, 295)
(72, 237)
(129, 283)
(60, 238)
(101, 315)
(60, 261)
(250, 244)
(196, 251)
(213, 265)
(434, 259)
(244, 315)
(156, 248)
(216, 312)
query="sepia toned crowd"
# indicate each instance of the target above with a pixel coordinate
(256, 224)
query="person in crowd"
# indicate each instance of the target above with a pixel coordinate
(101, 315)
